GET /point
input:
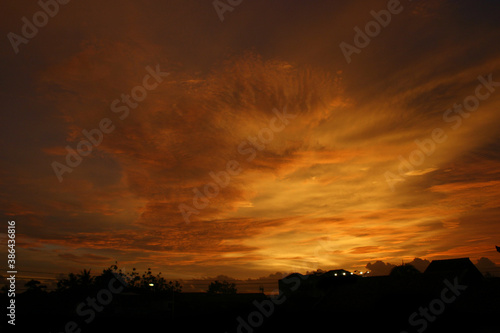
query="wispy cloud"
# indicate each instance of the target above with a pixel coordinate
(315, 196)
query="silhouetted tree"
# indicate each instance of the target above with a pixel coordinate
(152, 283)
(107, 275)
(35, 287)
(133, 279)
(81, 281)
(223, 287)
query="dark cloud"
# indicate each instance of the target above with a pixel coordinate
(379, 268)
(488, 267)
(382, 268)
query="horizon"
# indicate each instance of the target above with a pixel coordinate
(252, 285)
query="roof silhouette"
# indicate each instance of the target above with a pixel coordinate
(462, 268)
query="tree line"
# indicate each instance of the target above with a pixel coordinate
(146, 282)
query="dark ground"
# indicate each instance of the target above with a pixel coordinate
(376, 304)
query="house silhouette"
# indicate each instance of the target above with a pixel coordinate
(462, 268)
(316, 284)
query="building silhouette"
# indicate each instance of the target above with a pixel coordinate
(462, 268)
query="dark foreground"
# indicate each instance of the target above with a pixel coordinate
(370, 304)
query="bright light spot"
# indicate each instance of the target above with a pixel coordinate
(343, 273)
(352, 273)
(335, 274)
(151, 284)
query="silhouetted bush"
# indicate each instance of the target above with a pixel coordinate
(147, 282)
(223, 287)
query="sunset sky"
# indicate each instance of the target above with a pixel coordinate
(329, 186)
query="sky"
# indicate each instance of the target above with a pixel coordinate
(200, 139)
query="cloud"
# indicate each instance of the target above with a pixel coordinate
(87, 259)
(486, 266)
(381, 268)
(420, 264)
